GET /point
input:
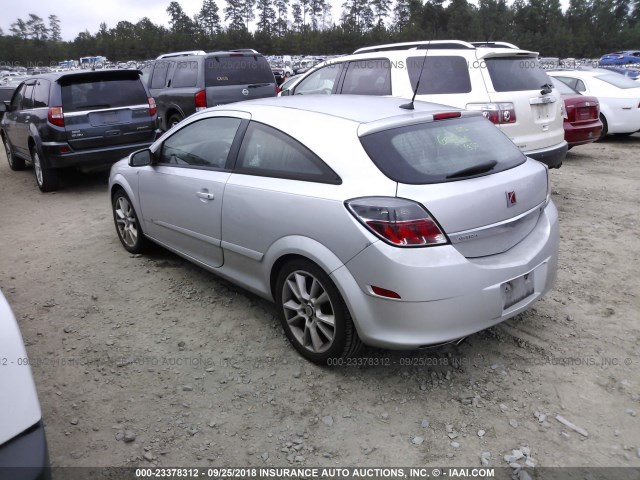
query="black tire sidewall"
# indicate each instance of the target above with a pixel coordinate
(14, 162)
(342, 319)
(49, 175)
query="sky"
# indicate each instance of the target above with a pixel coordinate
(79, 15)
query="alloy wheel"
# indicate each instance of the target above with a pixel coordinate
(126, 222)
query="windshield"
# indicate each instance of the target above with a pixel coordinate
(442, 151)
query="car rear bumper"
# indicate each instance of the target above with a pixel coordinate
(445, 296)
(580, 134)
(26, 457)
(89, 157)
(552, 157)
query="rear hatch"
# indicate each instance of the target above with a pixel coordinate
(483, 192)
(233, 77)
(582, 109)
(515, 78)
(106, 108)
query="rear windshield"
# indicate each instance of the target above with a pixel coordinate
(618, 80)
(509, 74)
(237, 70)
(89, 95)
(442, 151)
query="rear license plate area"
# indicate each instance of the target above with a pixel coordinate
(109, 117)
(516, 290)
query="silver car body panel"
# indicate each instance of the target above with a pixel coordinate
(260, 220)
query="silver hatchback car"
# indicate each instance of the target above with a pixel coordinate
(363, 221)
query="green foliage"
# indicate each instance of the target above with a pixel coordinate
(587, 29)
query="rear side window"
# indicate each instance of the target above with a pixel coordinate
(112, 93)
(512, 74)
(440, 75)
(237, 70)
(442, 151)
(368, 77)
(159, 77)
(185, 75)
(268, 152)
(41, 94)
(574, 83)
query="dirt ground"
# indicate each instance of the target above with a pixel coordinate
(150, 360)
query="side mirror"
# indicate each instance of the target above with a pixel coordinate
(141, 158)
(285, 93)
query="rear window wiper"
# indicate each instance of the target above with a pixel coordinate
(476, 169)
(546, 88)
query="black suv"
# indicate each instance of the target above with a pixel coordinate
(84, 119)
(182, 85)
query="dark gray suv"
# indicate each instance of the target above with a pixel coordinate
(83, 119)
(185, 84)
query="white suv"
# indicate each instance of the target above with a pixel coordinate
(507, 84)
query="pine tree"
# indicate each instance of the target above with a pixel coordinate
(54, 28)
(208, 19)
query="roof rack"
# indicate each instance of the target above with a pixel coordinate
(495, 45)
(181, 54)
(422, 45)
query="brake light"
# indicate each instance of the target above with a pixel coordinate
(446, 115)
(498, 113)
(278, 90)
(55, 116)
(400, 222)
(200, 99)
(152, 107)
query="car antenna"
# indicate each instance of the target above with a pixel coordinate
(409, 106)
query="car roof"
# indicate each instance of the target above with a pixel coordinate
(356, 108)
(58, 76)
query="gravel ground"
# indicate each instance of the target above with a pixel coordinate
(149, 360)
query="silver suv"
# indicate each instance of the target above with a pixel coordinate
(505, 83)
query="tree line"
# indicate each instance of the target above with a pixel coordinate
(587, 29)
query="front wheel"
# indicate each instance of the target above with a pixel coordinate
(46, 178)
(313, 314)
(127, 224)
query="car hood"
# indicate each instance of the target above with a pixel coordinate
(19, 407)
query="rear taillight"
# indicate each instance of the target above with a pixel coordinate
(55, 116)
(397, 221)
(277, 89)
(200, 99)
(152, 107)
(498, 113)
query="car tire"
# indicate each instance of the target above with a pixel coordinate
(173, 120)
(313, 314)
(605, 128)
(46, 178)
(15, 163)
(127, 224)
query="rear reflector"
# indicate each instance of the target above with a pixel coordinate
(55, 116)
(383, 292)
(445, 115)
(200, 99)
(397, 221)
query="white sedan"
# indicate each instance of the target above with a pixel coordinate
(619, 97)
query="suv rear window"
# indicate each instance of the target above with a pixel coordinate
(106, 93)
(237, 70)
(513, 74)
(442, 151)
(441, 74)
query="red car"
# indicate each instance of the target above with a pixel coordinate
(582, 120)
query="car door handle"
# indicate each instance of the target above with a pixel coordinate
(205, 195)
